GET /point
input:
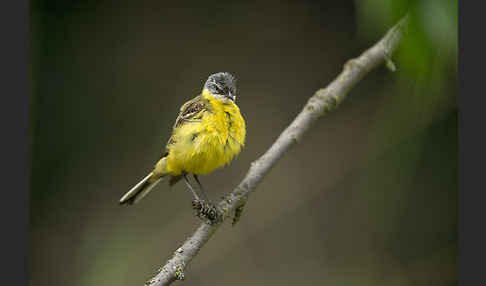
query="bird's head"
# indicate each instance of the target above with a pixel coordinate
(222, 86)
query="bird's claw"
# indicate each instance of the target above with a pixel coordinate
(207, 211)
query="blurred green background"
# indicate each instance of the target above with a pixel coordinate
(369, 197)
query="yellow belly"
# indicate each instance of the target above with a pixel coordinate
(201, 147)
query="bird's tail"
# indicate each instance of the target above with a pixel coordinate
(141, 189)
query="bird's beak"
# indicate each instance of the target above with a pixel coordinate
(231, 96)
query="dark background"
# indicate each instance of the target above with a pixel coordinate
(369, 197)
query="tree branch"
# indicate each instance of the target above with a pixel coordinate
(322, 102)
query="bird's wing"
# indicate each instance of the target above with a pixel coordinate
(192, 110)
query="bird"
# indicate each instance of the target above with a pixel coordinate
(209, 133)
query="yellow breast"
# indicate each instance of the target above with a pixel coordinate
(203, 146)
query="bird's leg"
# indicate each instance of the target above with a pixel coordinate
(196, 197)
(197, 203)
(201, 188)
(206, 209)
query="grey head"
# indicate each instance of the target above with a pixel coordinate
(222, 86)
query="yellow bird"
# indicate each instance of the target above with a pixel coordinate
(208, 133)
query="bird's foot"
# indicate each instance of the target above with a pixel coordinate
(207, 211)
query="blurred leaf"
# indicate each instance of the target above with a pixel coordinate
(431, 38)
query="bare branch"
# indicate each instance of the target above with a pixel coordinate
(322, 102)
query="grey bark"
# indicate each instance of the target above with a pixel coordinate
(323, 101)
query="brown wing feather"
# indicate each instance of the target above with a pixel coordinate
(191, 110)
